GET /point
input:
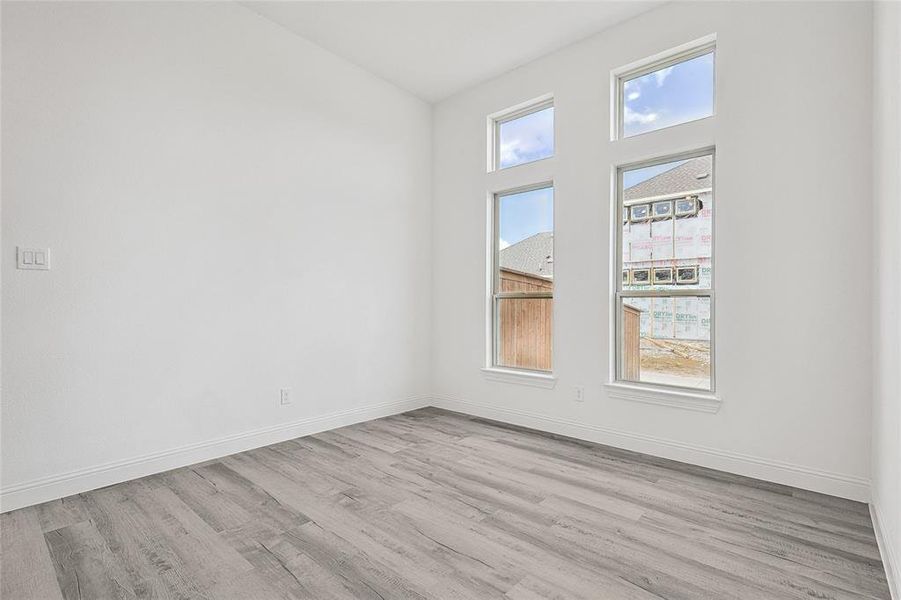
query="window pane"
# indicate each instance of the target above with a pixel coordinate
(525, 264)
(528, 138)
(666, 340)
(526, 241)
(667, 230)
(524, 333)
(676, 94)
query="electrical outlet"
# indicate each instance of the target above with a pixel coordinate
(579, 393)
(284, 397)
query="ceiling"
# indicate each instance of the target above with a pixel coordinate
(435, 49)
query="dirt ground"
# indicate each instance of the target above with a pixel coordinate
(679, 357)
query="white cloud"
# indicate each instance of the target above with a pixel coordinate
(504, 244)
(631, 116)
(633, 96)
(508, 153)
(516, 151)
(662, 74)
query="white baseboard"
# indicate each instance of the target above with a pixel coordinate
(82, 480)
(834, 484)
(890, 554)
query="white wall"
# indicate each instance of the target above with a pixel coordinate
(793, 138)
(887, 266)
(231, 210)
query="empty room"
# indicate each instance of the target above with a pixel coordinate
(450, 300)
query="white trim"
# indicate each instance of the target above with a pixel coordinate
(82, 480)
(890, 555)
(808, 478)
(699, 401)
(532, 378)
(676, 54)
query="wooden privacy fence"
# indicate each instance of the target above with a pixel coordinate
(631, 355)
(524, 332)
(525, 324)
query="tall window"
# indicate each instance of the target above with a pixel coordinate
(663, 227)
(521, 243)
(664, 298)
(523, 278)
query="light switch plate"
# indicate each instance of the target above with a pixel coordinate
(37, 259)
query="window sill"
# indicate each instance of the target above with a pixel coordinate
(541, 380)
(698, 401)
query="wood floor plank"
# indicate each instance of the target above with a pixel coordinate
(26, 569)
(208, 562)
(62, 512)
(205, 498)
(85, 565)
(760, 554)
(395, 548)
(154, 569)
(250, 584)
(288, 572)
(363, 576)
(434, 504)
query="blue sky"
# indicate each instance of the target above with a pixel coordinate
(528, 138)
(676, 94)
(525, 214)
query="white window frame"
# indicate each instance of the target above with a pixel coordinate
(494, 275)
(511, 114)
(685, 397)
(519, 178)
(659, 61)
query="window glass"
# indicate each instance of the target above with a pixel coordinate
(524, 279)
(668, 96)
(525, 139)
(525, 214)
(666, 250)
(666, 340)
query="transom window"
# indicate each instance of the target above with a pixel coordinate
(677, 89)
(523, 135)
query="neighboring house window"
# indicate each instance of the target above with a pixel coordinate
(661, 93)
(523, 278)
(522, 135)
(664, 314)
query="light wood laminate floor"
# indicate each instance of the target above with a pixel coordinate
(432, 504)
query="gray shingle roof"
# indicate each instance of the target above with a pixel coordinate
(532, 256)
(680, 179)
